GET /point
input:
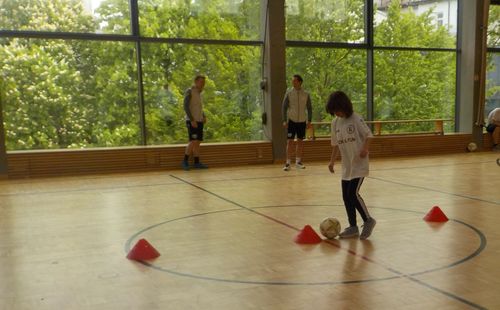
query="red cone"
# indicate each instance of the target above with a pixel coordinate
(307, 236)
(142, 250)
(435, 215)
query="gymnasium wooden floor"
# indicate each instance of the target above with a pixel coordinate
(226, 238)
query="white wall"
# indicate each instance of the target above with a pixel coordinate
(444, 11)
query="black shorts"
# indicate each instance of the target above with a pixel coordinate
(195, 133)
(298, 129)
(490, 128)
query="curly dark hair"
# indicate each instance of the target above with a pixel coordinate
(338, 101)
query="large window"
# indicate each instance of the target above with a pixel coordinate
(325, 20)
(406, 71)
(414, 85)
(317, 32)
(231, 96)
(327, 69)
(69, 94)
(421, 24)
(100, 73)
(71, 76)
(215, 19)
(414, 63)
(84, 16)
(493, 65)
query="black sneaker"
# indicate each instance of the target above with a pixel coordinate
(349, 232)
(367, 228)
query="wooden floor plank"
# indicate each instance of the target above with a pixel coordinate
(226, 238)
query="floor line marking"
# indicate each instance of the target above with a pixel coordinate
(331, 242)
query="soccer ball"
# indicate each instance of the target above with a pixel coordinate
(330, 227)
(471, 147)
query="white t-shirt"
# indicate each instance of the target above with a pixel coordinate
(350, 135)
(494, 116)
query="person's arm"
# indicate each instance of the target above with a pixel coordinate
(187, 100)
(335, 151)
(366, 133)
(284, 109)
(335, 147)
(309, 111)
(366, 147)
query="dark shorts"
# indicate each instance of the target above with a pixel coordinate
(298, 129)
(490, 128)
(195, 133)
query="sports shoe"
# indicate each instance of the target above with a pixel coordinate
(300, 165)
(350, 232)
(200, 166)
(287, 167)
(367, 228)
(185, 165)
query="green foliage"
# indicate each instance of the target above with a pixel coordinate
(113, 17)
(413, 84)
(326, 70)
(407, 29)
(80, 94)
(56, 15)
(492, 84)
(325, 20)
(407, 85)
(231, 93)
(493, 31)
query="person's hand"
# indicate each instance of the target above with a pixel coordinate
(309, 125)
(194, 124)
(363, 153)
(285, 124)
(330, 167)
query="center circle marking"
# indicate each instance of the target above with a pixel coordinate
(397, 274)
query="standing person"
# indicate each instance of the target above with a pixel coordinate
(352, 137)
(296, 105)
(195, 119)
(494, 127)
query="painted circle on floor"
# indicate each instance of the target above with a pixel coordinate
(191, 261)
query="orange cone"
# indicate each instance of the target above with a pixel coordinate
(307, 236)
(435, 215)
(142, 250)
